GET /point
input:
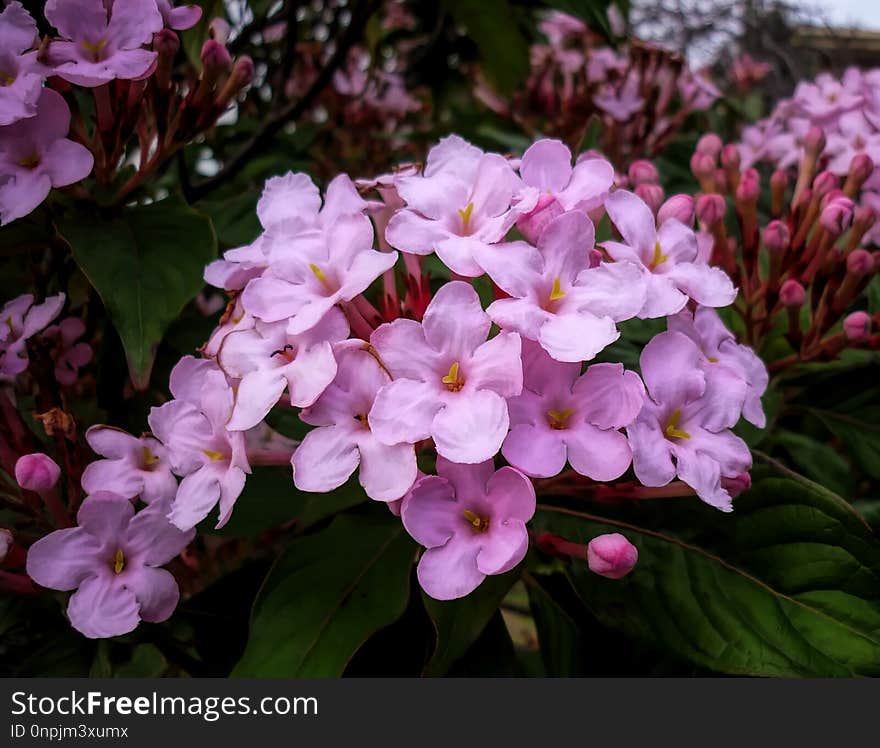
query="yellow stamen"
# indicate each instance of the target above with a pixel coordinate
(480, 524)
(556, 292)
(465, 214)
(319, 274)
(118, 562)
(149, 458)
(7, 79)
(95, 48)
(558, 419)
(9, 325)
(214, 456)
(672, 430)
(452, 379)
(712, 359)
(659, 258)
(29, 162)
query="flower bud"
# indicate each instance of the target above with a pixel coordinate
(166, 43)
(219, 29)
(749, 187)
(736, 485)
(611, 555)
(710, 144)
(778, 180)
(814, 141)
(860, 262)
(243, 71)
(730, 157)
(702, 165)
(837, 215)
(532, 225)
(643, 172)
(857, 327)
(776, 237)
(652, 194)
(824, 183)
(216, 60)
(710, 209)
(595, 258)
(864, 216)
(861, 167)
(37, 472)
(680, 207)
(792, 294)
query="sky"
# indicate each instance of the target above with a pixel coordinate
(858, 13)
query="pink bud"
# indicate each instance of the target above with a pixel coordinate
(861, 167)
(730, 157)
(710, 144)
(814, 141)
(778, 180)
(702, 165)
(215, 59)
(721, 180)
(837, 215)
(37, 472)
(595, 258)
(864, 216)
(860, 262)
(710, 209)
(243, 71)
(680, 207)
(824, 183)
(749, 187)
(776, 237)
(736, 485)
(792, 294)
(857, 327)
(611, 556)
(532, 225)
(166, 43)
(652, 194)
(643, 172)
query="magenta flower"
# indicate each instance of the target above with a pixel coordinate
(267, 360)
(35, 156)
(462, 202)
(667, 256)
(69, 356)
(180, 18)
(472, 521)
(560, 296)
(343, 441)
(134, 467)
(37, 472)
(562, 416)
(211, 460)
(683, 428)
(319, 269)
(611, 555)
(102, 41)
(450, 384)
(21, 319)
(111, 561)
(719, 348)
(21, 75)
(546, 169)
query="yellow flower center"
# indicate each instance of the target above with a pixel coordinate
(319, 274)
(149, 458)
(558, 419)
(556, 292)
(94, 48)
(29, 162)
(453, 380)
(480, 524)
(659, 258)
(672, 430)
(213, 456)
(465, 214)
(6, 79)
(118, 562)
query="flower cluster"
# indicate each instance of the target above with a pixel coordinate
(641, 93)
(433, 372)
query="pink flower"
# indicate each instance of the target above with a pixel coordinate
(69, 356)
(320, 268)
(180, 18)
(111, 561)
(37, 472)
(856, 136)
(719, 348)
(667, 256)
(462, 202)
(560, 295)
(472, 521)
(134, 466)
(267, 360)
(450, 384)
(546, 169)
(21, 319)
(611, 555)
(343, 441)
(683, 428)
(100, 44)
(21, 75)
(562, 416)
(622, 102)
(35, 156)
(211, 460)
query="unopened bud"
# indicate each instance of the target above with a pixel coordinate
(792, 294)
(814, 141)
(749, 187)
(652, 194)
(776, 237)
(710, 209)
(837, 215)
(860, 262)
(861, 167)
(736, 485)
(643, 172)
(824, 183)
(730, 157)
(532, 225)
(680, 207)
(710, 144)
(611, 556)
(37, 472)
(166, 43)
(243, 71)
(216, 60)
(702, 165)
(857, 327)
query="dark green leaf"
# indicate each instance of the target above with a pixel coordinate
(558, 633)
(817, 460)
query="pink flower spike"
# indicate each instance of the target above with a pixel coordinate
(667, 257)
(561, 416)
(36, 155)
(37, 472)
(267, 361)
(21, 73)
(450, 383)
(611, 556)
(101, 41)
(112, 561)
(69, 356)
(472, 521)
(132, 466)
(21, 319)
(558, 297)
(344, 441)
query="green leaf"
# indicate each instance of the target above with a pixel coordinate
(146, 264)
(817, 460)
(786, 585)
(459, 623)
(592, 12)
(558, 633)
(325, 596)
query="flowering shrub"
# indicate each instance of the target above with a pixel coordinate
(357, 404)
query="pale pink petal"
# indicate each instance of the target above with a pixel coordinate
(633, 219)
(325, 459)
(471, 428)
(450, 571)
(459, 253)
(496, 366)
(507, 546)
(67, 162)
(546, 164)
(155, 591)
(515, 267)
(609, 396)
(430, 512)
(404, 411)
(671, 369)
(598, 454)
(663, 298)
(454, 321)
(102, 607)
(386, 472)
(651, 453)
(577, 337)
(536, 450)
(62, 559)
(706, 285)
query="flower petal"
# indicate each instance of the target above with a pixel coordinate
(471, 428)
(325, 459)
(103, 607)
